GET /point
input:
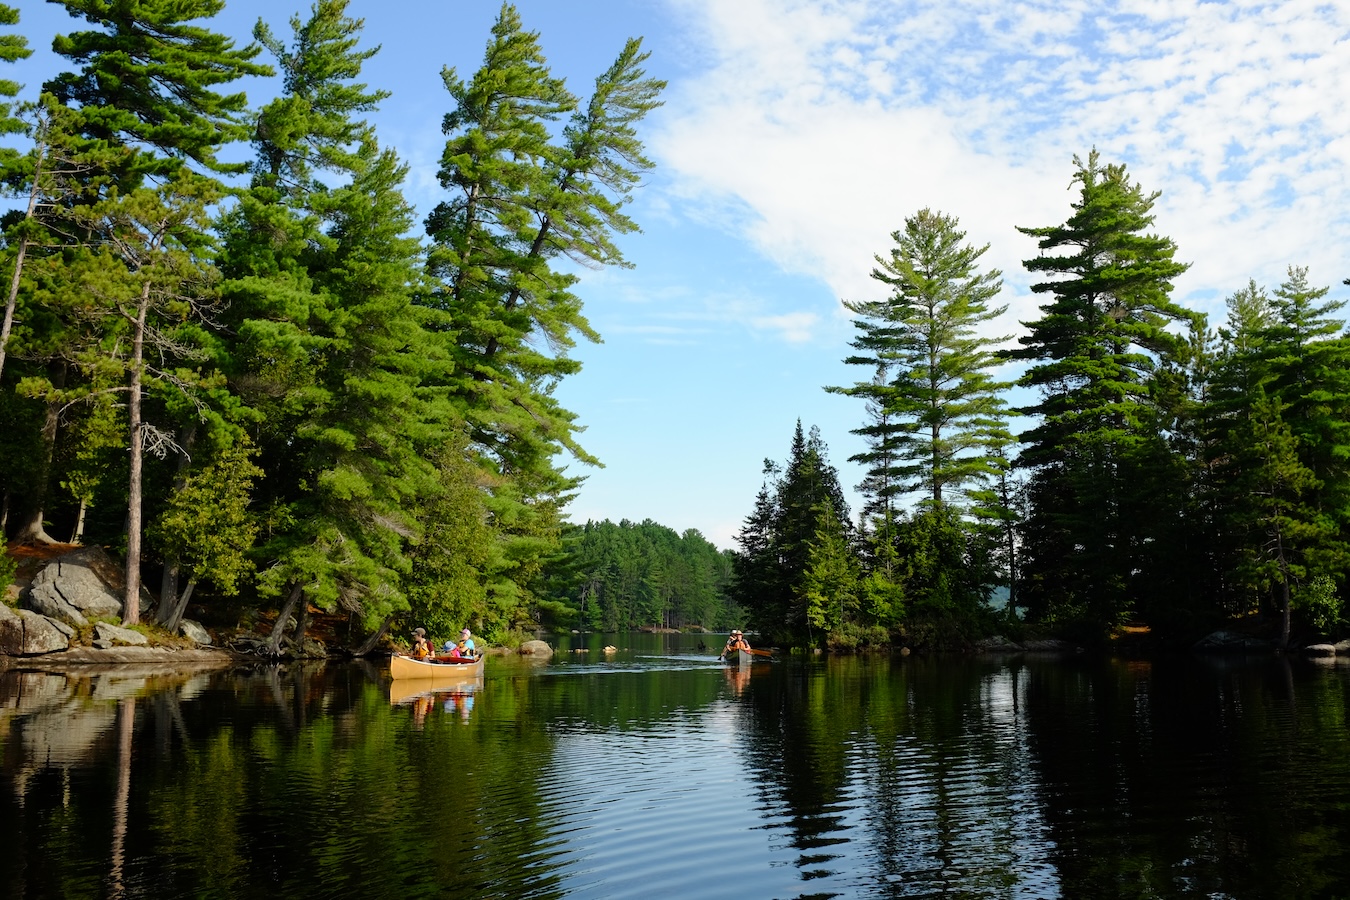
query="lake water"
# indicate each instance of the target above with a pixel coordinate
(659, 772)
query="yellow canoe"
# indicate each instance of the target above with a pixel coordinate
(442, 671)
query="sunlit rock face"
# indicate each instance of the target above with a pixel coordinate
(75, 587)
(27, 633)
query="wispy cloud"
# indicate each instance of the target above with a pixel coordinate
(816, 127)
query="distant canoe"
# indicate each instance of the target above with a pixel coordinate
(442, 671)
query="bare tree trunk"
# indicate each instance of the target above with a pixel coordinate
(30, 529)
(168, 585)
(369, 644)
(12, 301)
(1284, 617)
(301, 626)
(274, 642)
(176, 607)
(131, 613)
(78, 533)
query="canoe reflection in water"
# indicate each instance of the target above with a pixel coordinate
(424, 696)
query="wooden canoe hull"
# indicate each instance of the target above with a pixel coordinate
(445, 671)
(746, 657)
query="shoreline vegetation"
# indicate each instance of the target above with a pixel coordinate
(313, 421)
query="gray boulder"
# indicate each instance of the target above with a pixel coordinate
(997, 644)
(106, 635)
(27, 633)
(74, 588)
(312, 649)
(1231, 641)
(1320, 649)
(194, 632)
(535, 648)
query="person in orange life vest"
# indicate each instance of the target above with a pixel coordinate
(735, 641)
(421, 648)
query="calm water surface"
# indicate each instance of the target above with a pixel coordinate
(658, 772)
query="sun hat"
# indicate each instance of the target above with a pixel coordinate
(465, 631)
(419, 631)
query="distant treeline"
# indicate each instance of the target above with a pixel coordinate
(1172, 474)
(264, 378)
(626, 576)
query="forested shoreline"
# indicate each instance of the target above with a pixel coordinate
(265, 380)
(1174, 476)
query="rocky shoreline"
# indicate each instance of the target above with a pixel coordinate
(168, 658)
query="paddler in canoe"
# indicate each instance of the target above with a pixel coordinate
(421, 648)
(735, 641)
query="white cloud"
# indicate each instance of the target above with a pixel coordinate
(816, 127)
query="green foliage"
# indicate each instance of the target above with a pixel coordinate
(633, 575)
(9, 568)
(937, 413)
(13, 47)
(149, 78)
(1321, 603)
(795, 570)
(1093, 355)
(523, 205)
(207, 524)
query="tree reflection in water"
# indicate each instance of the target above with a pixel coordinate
(642, 773)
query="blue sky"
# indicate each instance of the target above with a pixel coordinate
(796, 136)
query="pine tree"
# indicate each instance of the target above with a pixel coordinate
(786, 537)
(943, 409)
(1093, 354)
(519, 204)
(1277, 443)
(147, 82)
(13, 47)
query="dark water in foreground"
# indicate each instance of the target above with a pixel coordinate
(660, 773)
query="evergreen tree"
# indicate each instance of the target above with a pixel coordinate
(799, 525)
(1093, 354)
(520, 203)
(943, 412)
(147, 82)
(1277, 439)
(362, 448)
(13, 47)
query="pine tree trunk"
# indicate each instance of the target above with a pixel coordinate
(1284, 618)
(301, 626)
(369, 644)
(31, 529)
(168, 585)
(168, 591)
(10, 303)
(284, 615)
(177, 606)
(78, 533)
(12, 300)
(131, 614)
